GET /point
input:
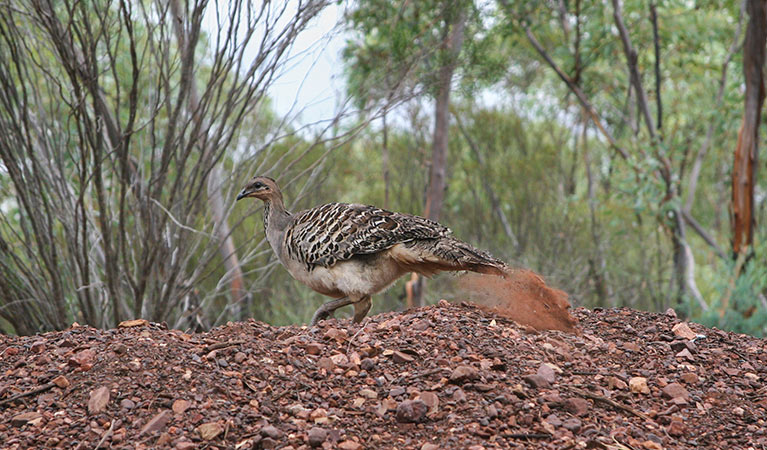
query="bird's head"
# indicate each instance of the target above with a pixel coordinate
(263, 188)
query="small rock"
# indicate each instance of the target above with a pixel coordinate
(675, 390)
(492, 412)
(462, 374)
(83, 359)
(164, 439)
(120, 349)
(127, 403)
(318, 414)
(133, 323)
(689, 378)
(209, 431)
(554, 420)
(98, 401)
(400, 357)
(61, 381)
(677, 427)
(431, 400)
(180, 405)
(671, 313)
(368, 393)
(185, 445)
(326, 363)
(616, 383)
(683, 330)
(22, 419)
(368, 364)
(572, 424)
(271, 431)
(37, 347)
(268, 443)
(483, 387)
(536, 381)
(340, 359)
(396, 391)
(651, 445)
(547, 373)
(314, 348)
(685, 354)
(411, 411)
(429, 446)
(631, 347)
(316, 436)
(459, 396)
(335, 334)
(157, 423)
(350, 445)
(577, 406)
(239, 357)
(638, 385)
(738, 411)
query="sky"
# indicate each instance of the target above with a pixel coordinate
(311, 83)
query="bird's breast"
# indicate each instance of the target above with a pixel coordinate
(359, 276)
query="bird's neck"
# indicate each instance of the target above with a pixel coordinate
(276, 217)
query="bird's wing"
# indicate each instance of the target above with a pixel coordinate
(338, 231)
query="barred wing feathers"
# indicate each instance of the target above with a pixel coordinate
(339, 231)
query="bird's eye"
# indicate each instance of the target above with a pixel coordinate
(259, 185)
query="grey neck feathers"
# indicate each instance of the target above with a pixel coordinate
(276, 217)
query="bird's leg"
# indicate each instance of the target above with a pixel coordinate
(361, 308)
(324, 311)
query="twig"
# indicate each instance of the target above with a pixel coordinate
(528, 436)
(610, 402)
(364, 324)
(106, 434)
(220, 345)
(34, 391)
(578, 93)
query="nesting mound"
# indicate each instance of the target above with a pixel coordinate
(445, 376)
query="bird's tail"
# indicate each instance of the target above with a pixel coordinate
(428, 256)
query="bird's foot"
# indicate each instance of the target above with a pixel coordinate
(326, 310)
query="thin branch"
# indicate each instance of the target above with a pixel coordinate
(578, 93)
(703, 234)
(656, 42)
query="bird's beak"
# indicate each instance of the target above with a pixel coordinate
(244, 193)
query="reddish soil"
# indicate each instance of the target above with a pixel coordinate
(521, 296)
(445, 376)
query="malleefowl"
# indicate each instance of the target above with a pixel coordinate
(351, 251)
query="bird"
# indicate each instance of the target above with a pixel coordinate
(352, 251)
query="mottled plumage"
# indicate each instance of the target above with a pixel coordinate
(352, 251)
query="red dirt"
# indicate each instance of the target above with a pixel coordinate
(444, 376)
(522, 297)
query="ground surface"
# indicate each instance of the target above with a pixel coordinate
(449, 375)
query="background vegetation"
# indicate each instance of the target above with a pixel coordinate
(610, 146)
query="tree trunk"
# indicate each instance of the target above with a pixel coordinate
(435, 194)
(747, 150)
(451, 47)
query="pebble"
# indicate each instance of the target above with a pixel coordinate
(411, 411)
(316, 436)
(462, 374)
(536, 381)
(271, 431)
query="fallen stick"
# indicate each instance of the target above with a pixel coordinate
(220, 345)
(610, 402)
(34, 391)
(528, 436)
